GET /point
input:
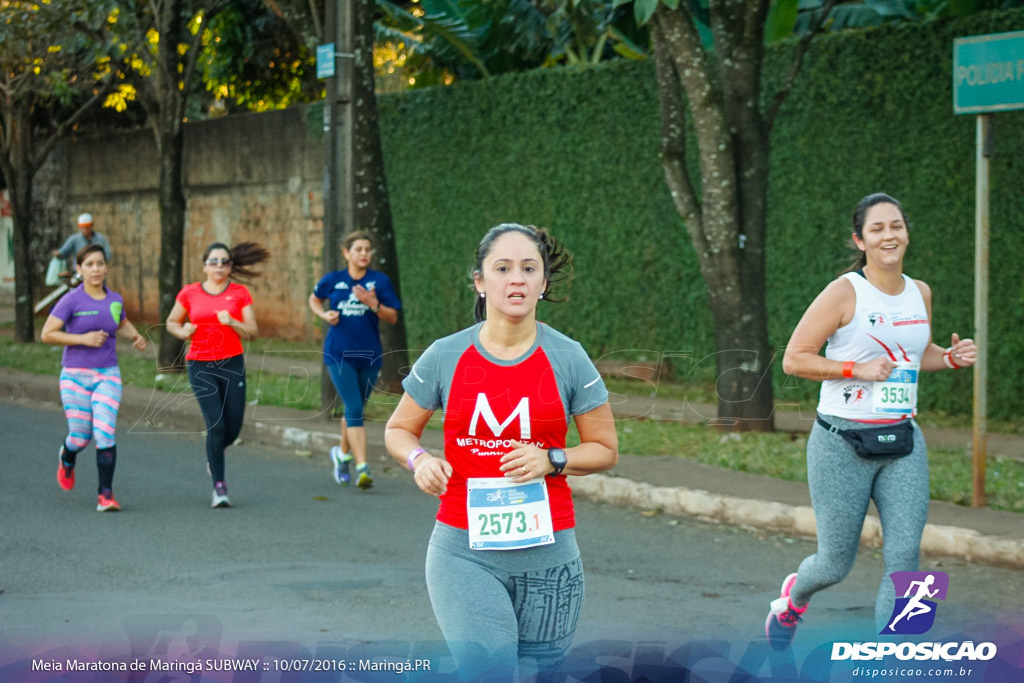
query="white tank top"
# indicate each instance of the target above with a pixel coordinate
(896, 326)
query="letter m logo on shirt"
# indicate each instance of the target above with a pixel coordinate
(483, 409)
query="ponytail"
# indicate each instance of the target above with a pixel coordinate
(243, 256)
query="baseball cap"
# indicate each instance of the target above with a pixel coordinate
(85, 219)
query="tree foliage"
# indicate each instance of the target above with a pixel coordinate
(864, 13)
(57, 63)
(165, 41)
(51, 53)
(439, 41)
(254, 57)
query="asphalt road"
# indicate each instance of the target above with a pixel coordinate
(303, 568)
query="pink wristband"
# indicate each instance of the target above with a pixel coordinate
(413, 454)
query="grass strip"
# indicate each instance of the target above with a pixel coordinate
(779, 454)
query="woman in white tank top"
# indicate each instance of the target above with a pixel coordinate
(876, 323)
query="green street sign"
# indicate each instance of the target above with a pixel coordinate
(988, 73)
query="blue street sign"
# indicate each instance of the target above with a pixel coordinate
(988, 73)
(325, 60)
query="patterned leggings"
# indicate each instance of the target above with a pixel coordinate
(91, 398)
(501, 608)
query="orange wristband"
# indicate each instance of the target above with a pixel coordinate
(848, 369)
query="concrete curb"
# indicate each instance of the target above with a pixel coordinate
(798, 520)
(292, 437)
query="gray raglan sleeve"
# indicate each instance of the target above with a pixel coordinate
(579, 381)
(430, 379)
(589, 389)
(423, 383)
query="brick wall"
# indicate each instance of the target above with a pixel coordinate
(248, 177)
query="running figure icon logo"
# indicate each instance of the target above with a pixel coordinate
(914, 613)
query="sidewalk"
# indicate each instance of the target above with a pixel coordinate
(674, 486)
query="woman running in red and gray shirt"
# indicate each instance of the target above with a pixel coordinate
(503, 568)
(220, 314)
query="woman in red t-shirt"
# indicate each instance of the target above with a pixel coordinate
(219, 316)
(503, 567)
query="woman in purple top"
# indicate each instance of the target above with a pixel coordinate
(84, 322)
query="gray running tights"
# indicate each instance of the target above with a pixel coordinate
(495, 607)
(841, 484)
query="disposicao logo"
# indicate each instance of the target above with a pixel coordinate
(914, 613)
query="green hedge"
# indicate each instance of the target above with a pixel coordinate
(577, 151)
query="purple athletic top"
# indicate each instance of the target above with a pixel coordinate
(81, 313)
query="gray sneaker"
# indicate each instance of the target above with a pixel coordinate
(341, 462)
(220, 496)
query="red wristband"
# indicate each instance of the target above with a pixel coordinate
(848, 369)
(947, 358)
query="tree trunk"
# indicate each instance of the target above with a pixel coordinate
(746, 379)
(727, 223)
(19, 179)
(165, 114)
(748, 385)
(735, 280)
(24, 264)
(370, 191)
(172, 239)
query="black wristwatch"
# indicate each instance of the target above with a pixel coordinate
(556, 456)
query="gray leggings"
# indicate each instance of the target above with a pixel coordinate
(497, 606)
(841, 484)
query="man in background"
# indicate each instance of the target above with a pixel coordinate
(85, 236)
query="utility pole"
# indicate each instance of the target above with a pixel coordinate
(339, 212)
(979, 434)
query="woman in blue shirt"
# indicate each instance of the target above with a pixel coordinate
(353, 301)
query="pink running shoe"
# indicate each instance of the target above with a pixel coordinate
(65, 474)
(106, 503)
(780, 627)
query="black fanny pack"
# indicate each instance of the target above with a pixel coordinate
(887, 441)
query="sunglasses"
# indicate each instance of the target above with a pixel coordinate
(218, 262)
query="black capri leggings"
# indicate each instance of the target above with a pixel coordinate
(219, 386)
